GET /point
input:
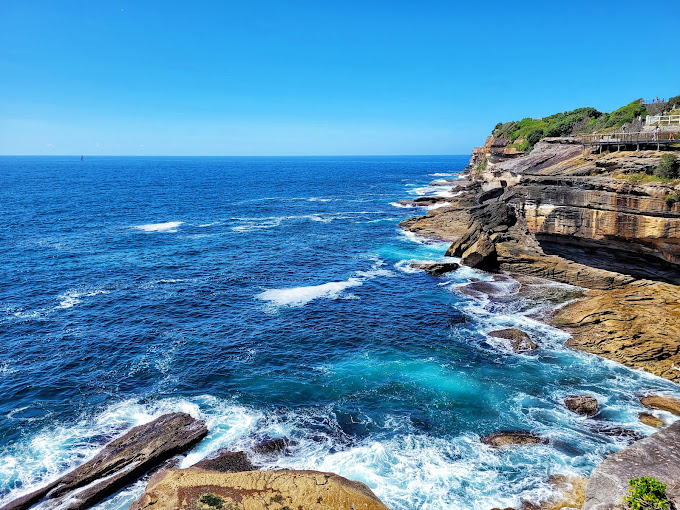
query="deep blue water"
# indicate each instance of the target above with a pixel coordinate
(273, 297)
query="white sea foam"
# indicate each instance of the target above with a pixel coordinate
(73, 297)
(300, 296)
(170, 226)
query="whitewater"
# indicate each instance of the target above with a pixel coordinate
(274, 297)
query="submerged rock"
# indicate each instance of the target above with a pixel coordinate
(582, 404)
(510, 437)
(120, 463)
(669, 404)
(651, 420)
(436, 268)
(657, 456)
(519, 340)
(255, 490)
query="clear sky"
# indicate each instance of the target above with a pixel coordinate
(315, 77)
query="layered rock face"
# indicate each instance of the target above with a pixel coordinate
(565, 214)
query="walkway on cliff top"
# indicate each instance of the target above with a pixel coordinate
(638, 139)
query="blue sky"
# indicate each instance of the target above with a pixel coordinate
(317, 77)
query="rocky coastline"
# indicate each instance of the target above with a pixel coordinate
(567, 214)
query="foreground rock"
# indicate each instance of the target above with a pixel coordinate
(661, 403)
(519, 340)
(584, 405)
(254, 490)
(436, 268)
(512, 437)
(120, 463)
(657, 456)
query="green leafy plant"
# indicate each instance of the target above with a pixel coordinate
(647, 493)
(212, 501)
(671, 199)
(669, 167)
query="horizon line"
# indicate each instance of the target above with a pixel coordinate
(220, 155)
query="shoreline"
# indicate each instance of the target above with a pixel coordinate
(502, 222)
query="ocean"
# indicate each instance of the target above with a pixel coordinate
(273, 297)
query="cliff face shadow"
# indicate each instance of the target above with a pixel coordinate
(590, 253)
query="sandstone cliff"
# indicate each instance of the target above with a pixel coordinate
(571, 215)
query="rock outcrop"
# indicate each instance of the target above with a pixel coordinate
(582, 404)
(512, 437)
(436, 268)
(254, 490)
(651, 420)
(657, 456)
(637, 325)
(120, 463)
(661, 403)
(518, 339)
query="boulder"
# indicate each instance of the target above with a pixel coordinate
(254, 490)
(661, 403)
(519, 340)
(657, 456)
(120, 463)
(651, 420)
(226, 461)
(582, 404)
(512, 437)
(436, 268)
(271, 446)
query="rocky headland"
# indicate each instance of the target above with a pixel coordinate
(570, 214)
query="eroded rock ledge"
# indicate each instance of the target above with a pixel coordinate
(564, 214)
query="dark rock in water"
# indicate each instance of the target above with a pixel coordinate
(582, 404)
(519, 340)
(512, 437)
(657, 456)
(271, 446)
(436, 268)
(429, 200)
(120, 463)
(226, 461)
(608, 429)
(651, 420)
(662, 403)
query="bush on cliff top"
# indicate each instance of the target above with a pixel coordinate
(669, 167)
(647, 493)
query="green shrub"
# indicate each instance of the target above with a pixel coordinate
(668, 168)
(647, 493)
(625, 114)
(212, 501)
(674, 102)
(671, 199)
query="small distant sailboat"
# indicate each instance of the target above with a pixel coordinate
(82, 158)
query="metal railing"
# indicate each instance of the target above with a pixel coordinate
(662, 120)
(639, 137)
(654, 100)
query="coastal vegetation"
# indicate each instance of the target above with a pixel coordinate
(647, 493)
(669, 167)
(524, 134)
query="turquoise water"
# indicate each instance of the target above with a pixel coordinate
(274, 297)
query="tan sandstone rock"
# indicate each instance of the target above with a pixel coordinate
(199, 489)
